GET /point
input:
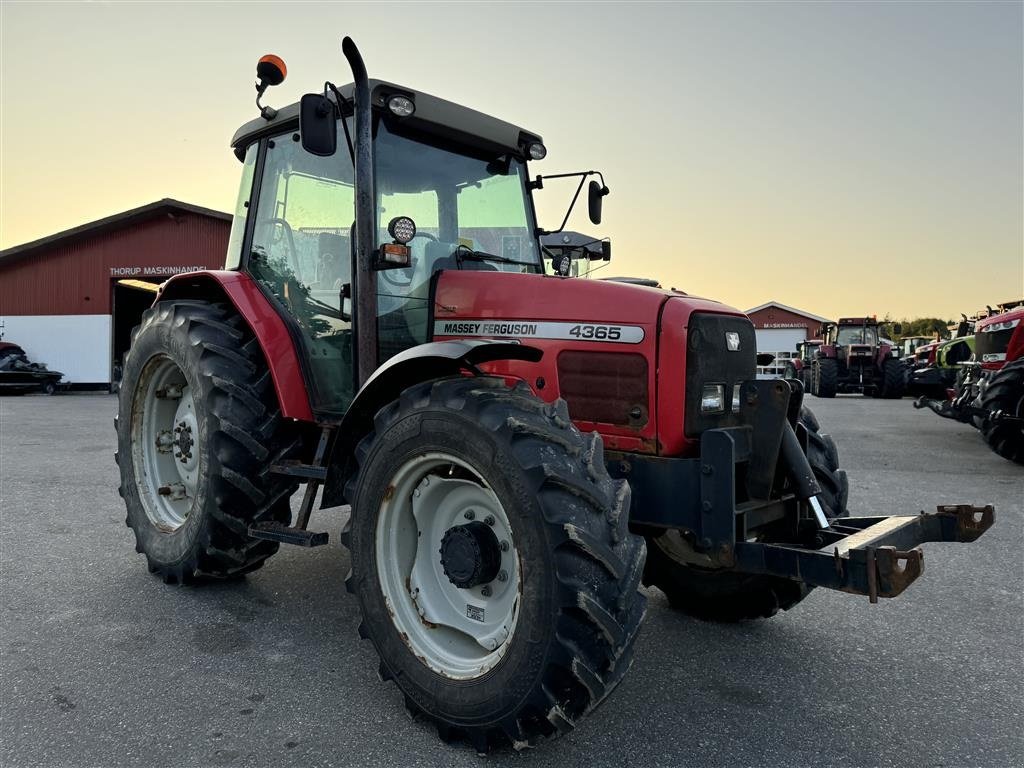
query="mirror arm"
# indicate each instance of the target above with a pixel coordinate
(538, 183)
(342, 103)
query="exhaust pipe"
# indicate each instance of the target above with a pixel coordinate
(364, 296)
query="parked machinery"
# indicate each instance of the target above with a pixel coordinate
(519, 450)
(853, 358)
(989, 392)
(802, 366)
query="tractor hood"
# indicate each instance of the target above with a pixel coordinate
(621, 355)
(501, 300)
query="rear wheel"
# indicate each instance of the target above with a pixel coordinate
(893, 379)
(721, 595)
(197, 430)
(496, 575)
(1005, 392)
(824, 376)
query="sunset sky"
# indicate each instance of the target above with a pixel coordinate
(843, 158)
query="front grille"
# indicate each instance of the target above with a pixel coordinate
(710, 361)
(606, 387)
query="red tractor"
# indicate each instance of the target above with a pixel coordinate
(520, 451)
(989, 391)
(853, 358)
(802, 366)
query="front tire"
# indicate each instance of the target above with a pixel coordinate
(441, 459)
(198, 427)
(1005, 392)
(727, 596)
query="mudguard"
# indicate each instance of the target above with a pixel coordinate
(266, 324)
(433, 360)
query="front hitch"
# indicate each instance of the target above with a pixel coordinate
(873, 556)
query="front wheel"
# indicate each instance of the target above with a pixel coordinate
(491, 557)
(727, 596)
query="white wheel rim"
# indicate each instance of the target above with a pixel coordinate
(165, 444)
(458, 633)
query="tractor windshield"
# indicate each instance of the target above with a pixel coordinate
(461, 201)
(857, 334)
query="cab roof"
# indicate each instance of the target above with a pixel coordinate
(433, 115)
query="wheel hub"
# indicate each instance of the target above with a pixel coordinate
(183, 442)
(165, 437)
(470, 555)
(426, 552)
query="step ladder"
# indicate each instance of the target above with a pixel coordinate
(314, 476)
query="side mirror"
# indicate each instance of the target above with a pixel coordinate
(606, 250)
(594, 195)
(318, 125)
(797, 347)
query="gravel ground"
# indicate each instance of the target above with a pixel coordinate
(104, 665)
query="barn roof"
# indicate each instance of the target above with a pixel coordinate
(167, 206)
(787, 308)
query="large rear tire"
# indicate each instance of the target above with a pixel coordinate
(726, 596)
(197, 430)
(824, 377)
(517, 635)
(1005, 392)
(893, 379)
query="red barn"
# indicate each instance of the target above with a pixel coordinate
(62, 299)
(779, 328)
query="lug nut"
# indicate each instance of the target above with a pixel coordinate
(502, 576)
(504, 546)
(486, 590)
(470, 514)
(489, 519)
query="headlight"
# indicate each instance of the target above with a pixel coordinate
(537, 151)
(712, 398)
(1003, 326)
(402, 229)
(401, 106)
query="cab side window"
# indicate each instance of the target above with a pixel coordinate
(302, 255)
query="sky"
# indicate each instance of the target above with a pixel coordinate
(843, 158)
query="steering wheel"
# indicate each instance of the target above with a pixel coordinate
(287, 229)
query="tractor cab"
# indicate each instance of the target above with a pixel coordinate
(446, 188)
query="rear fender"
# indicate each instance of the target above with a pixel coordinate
(425, 362)
(263, 320)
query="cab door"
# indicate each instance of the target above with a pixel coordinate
(301, 256)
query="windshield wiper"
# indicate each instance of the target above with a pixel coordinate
(464, 253)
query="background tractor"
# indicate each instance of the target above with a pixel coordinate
(802, 366)
(989, 389)
(519, 450)
(853, 358)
